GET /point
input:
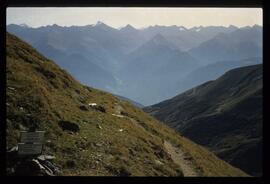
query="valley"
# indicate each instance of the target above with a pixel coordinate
(145, 65)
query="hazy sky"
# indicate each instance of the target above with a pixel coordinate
(137, 17)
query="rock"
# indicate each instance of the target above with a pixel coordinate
(13, 149)
(98, 144)
(48, 171)
(161, 154)
(92, 104)
(11, 88)
(98, 126)
(158, 162)
(97, 107)
(50, 167)
(32, 167)
(45, 157)
(100, 108)
(84, 108)
(38, 164)
(70, 126)
(124, 113)
(81, 99)
(21, 127)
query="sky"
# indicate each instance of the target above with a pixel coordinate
(137, 17)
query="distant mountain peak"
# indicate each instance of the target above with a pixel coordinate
(128, 27)
(182, 28)
(256, 26)
(197, 29)
(100, 24)
(55, 25)
(24, 25)
(159, 39)
(232, 26)
(246, 27)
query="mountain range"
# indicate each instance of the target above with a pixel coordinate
(225, 115)
(134, 62)
(237, 45)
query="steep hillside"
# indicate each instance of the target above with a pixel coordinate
(225, 115)
(110, 138)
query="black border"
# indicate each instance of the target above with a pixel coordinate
(3, 92)
(142, 3)
(132, 3)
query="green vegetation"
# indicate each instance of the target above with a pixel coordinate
(40, 94)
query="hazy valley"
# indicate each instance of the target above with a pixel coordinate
(134, 62)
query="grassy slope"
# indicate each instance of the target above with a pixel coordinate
(40, 93)
(224, 115)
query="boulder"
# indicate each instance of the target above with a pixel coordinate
(84, 108)
(69, 126)
(100, 108)
(92, 104)
(45, 157)
(97, 107)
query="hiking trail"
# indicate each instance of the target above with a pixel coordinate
(182, 159)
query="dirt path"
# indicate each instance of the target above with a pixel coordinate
(181, 159)
(177, 155)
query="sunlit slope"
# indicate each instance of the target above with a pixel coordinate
(112, 138)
